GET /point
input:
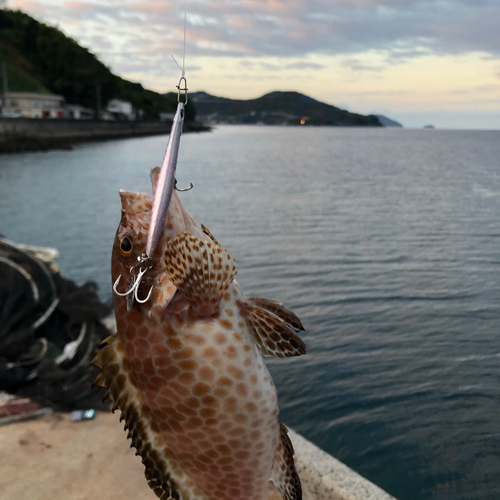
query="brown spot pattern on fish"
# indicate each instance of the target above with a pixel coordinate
(202, 270)
(192, 380)
(284, 475)
(183, 402)
(161, 470)
(209, 234)
(274, 336)
(279, 310)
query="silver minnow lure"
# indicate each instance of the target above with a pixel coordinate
(166, 183)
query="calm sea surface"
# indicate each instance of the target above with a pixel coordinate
(386, 243)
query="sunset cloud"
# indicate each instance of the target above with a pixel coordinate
(296, 28)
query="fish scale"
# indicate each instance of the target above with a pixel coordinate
(186, 370)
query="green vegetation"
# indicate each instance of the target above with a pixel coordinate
(41, 58)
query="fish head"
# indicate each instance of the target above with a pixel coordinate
(130, 246)
(131, 235)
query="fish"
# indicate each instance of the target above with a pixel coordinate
(185, 367)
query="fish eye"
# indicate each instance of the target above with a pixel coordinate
(126, 245)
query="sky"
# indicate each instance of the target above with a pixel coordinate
(416, 61)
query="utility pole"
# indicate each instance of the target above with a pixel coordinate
(5, 87)
(98, 100)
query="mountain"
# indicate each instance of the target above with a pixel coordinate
(387, 122)
(40, 58)
(276, 108)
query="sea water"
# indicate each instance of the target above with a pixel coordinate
(385, 242)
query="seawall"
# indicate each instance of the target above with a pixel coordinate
(26, 134)
(325, 478)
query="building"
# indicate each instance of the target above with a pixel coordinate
(121, 110)
(77, 112)
(33, 105)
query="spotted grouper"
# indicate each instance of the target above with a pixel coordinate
(186, 369)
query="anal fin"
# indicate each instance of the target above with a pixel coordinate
(273, 335)
(284, 475)
(200, 269)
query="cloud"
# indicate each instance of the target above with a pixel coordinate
(291, 28)
(357, 65)
(136, 38)
(304, 65)
(476, 90)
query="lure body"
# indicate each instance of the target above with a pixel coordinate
(186, 367)
(166, 182)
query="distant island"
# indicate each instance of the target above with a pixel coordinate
(276, 108)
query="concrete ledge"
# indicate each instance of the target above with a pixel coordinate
(325, 478)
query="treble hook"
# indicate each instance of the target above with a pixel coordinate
(133, 291)
(183, 190)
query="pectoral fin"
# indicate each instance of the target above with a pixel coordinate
(273, 335)
(284, 475)
(201, 270)
(277, 308)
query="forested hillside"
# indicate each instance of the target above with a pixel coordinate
(40, 58)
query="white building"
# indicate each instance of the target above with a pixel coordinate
(121, 110)
(34, 105)
(77, 112)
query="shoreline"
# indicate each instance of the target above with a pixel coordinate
(19, 135)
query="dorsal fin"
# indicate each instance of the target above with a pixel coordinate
(201, 270)
(284, 475)
(154, 174)
(273, 335)
(209, 234)
(163, 474)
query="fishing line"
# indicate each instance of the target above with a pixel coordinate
(184, 45)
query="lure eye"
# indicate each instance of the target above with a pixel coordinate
(126, 245)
